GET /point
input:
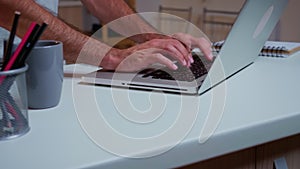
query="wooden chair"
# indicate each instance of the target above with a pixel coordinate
(178, 20)
(217, 23)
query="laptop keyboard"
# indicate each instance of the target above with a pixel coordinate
(196, 70)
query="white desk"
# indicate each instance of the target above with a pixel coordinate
(262, 105)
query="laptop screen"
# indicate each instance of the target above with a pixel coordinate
(250, 31)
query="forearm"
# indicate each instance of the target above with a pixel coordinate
(57, 30)
(132, 26)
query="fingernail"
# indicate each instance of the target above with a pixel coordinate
(174, 67)
(184, 63)
(211, 57)
(191, 59)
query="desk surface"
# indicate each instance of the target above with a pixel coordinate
(261, 105)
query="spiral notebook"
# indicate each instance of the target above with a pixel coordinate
(272, 48)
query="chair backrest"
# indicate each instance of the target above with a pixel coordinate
(185, 13)
(217, 23)
(179, 23)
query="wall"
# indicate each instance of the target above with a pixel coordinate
(147, 5)
(289, 28)
(290, 22)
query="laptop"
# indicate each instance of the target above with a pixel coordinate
(250, 31)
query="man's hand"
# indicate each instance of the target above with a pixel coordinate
(191, 42)
(144, 55)
(161, 51)
(144, 58)
(170, 48)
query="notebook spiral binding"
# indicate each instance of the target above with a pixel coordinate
(271, 48)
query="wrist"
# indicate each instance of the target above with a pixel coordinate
(112, 59)
(74, 47)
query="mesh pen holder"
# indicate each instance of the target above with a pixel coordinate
(13, 103)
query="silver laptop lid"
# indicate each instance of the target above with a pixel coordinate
(250, 31)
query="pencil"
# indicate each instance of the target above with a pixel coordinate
(18, 50)
(4, 59)
(29, 45)
(21, 45)
(11, 38)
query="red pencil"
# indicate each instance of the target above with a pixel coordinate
(20, 47)
(18, 50)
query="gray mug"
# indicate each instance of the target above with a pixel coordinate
(44, 77)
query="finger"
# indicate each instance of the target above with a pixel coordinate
(184, 49)
(176, 49)
(172, 50)
(159, 58)
(205, 47)
(185, 39)
(202, 43)
(171, 47)
(166, 47)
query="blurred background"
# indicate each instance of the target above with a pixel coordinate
(213, 17)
